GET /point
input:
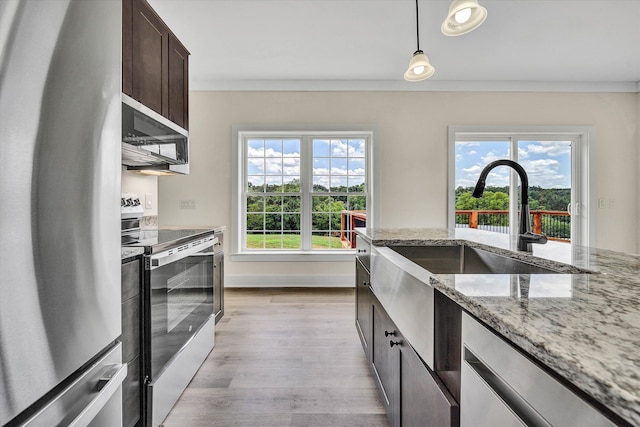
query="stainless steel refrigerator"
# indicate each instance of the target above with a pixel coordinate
(60, 117)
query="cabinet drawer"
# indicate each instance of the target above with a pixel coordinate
(498, 376)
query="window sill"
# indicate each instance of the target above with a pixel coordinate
(288, 256)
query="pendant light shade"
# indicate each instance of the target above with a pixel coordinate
(419, 66)
(463, 16)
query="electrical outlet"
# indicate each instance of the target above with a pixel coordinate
(187, 204)
(148, 201)
(601, 203)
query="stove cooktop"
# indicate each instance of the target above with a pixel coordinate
(158, 239)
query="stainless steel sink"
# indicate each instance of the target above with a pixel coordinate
(462, 259)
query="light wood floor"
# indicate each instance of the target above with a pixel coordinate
(283, 357)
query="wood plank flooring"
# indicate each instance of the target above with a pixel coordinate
(283, 357)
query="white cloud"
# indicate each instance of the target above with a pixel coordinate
(550, 148)
(492, 155)
(475, 169)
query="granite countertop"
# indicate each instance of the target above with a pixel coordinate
(585, 327)
(131, 252)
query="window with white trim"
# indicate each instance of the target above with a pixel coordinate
(301, 192)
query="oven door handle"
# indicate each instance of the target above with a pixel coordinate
(172, 255)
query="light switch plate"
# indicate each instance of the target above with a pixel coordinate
(148, 201)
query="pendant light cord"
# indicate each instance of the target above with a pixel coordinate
(417, 27)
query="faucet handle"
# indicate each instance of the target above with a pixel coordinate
(530, 237)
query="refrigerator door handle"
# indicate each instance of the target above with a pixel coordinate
(108, 384)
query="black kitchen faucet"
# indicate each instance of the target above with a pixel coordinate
(525, 236)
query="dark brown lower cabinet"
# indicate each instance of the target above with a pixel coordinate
(363, 307)
(412, 394)
(131, 387)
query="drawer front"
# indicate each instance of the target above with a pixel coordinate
(534, 395)
(481, 406)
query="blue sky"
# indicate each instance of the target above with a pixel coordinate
(548, 163)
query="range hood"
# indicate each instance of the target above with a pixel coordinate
(152, 144)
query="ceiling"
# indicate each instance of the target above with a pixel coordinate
(564, 45)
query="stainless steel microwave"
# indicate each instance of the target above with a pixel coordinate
(151, 143)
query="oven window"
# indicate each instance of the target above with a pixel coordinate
(181, 301)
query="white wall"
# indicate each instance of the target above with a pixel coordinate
(413, 156)
(141, 185)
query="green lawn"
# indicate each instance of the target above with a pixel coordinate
(290, 241)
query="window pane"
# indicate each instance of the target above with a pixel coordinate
(274, 184)
(356, 166)
(321, 203)
(291, 240)
(339, 183)
(291, 204)
(291, 166)
(339, 148)
(325, 240)
(356, 184)
(291, 184)
(321, 184)
(291, 148)
(273, 166)
(255, 184)
(548, 166)
(255, 222)
(255, 204)
(291, 222)
(273, 222)
(273, 240)
(356, 147)
(338, 166)
(357, 203)
(273, 148)
(321, 148)
(255, 240)
(255, 148)
(320, 221)
(321, 166)
(273, 204)
(255, 166)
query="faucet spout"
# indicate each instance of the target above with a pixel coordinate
(525, 236)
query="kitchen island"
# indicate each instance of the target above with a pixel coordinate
(584, 328)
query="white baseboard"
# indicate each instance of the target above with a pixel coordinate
(290, 281)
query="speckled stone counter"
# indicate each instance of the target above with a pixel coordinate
(585, 327)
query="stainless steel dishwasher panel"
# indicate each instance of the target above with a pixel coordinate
(403, 290)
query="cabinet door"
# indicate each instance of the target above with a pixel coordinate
(127, 47)
(150, 58)
(363, 307)
(424, 399)
(178, 83)
(385, 361)
(218, 285)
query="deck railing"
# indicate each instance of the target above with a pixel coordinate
(349, 220)
(556, 225)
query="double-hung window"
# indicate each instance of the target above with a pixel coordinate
(301, 192)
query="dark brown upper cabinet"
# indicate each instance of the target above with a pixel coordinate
(155, 65)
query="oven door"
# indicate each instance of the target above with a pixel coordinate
(178, 301)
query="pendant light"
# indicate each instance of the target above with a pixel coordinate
(463, 16)
(419, 67)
